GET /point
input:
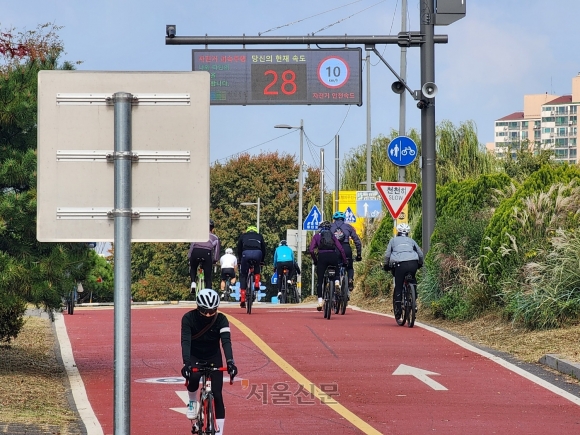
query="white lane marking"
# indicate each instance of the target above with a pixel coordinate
(420, 374)
(77, 385)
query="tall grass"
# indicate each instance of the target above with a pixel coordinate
(550, 294)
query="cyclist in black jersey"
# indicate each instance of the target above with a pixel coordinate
(214, 327)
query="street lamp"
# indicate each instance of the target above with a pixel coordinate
(300, 188)
(258, 216)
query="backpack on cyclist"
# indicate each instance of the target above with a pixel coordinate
(326, 242)
(339, 235)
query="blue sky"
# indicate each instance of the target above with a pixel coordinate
(500, 51)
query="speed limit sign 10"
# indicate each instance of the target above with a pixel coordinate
(333, 72)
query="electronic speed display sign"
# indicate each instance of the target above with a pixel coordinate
(277, 76)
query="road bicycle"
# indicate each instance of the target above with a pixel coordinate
(229, 289)
(408, 303)
(328, 285)
(289, 292)
(200, 282)
(250, 292)
(340, 294)
(200, 278)
(205, 424)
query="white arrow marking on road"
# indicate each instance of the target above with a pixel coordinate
(420, 374)
(185, 397)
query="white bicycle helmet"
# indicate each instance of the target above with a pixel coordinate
(208, 299)
(403, 229)
(229, 251)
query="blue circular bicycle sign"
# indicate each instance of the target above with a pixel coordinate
(402, 151)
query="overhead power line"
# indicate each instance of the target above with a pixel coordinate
(304, 19)
(350, 16)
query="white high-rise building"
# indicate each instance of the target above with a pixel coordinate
(547, 122)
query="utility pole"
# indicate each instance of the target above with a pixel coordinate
(429, 179)
(368, 66)
(321, 184)
(447, 12)
(403, 95)
(336, 173)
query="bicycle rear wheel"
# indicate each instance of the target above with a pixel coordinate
(284, 290)
(405, 303)
(296, 294)
(345, 291)
(412, 303)
(250, 293)
(401, 320)
(329, 296)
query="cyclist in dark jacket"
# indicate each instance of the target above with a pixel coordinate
(251, 246)
(323, 257)
(206, 348)
(402, 256)
(345, 232)
(204, 253)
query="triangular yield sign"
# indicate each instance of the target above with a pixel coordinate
(395, 195)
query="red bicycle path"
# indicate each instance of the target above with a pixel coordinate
(352, 358)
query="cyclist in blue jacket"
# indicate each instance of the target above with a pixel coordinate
(402, 256)
(283, 257)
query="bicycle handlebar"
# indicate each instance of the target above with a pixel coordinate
(209, 369)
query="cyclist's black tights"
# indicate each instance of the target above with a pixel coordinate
(325, 259)
(196, 255)
(217, 384)
(402, 269)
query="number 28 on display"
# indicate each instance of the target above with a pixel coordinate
(279, 82)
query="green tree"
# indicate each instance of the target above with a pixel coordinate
(40, 273)
(272, 177)
(522, 161)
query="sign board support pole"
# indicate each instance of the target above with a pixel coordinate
(428, 123)
(122, 283)
(403, 95)
(336, 173)
(369, 141)
(300, 199)
(321, 184)
(402, 99)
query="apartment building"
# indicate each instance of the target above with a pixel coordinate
(547, 122)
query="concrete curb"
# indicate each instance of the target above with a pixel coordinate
(563, 366)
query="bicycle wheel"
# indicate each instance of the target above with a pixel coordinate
(405, 303)
(344, 294)
(400, 321)
(329, 296)
(250, 293)
(337, 304)
(210, 417)
(200, 284)
(412, 303)
(296, 295)
(284, 290)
